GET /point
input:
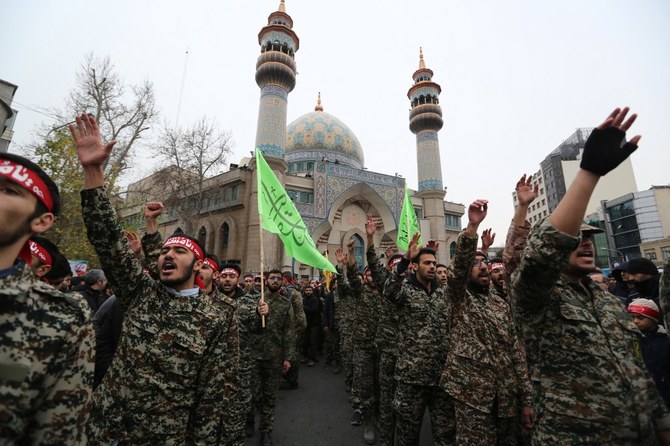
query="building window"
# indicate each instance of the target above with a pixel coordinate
(452, 222)
(419, 212)
(650, 254)
(225, 235)
(665, 252)
(452, 250)
(300, 196)
(359, 251)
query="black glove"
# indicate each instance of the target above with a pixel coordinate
(603, 151)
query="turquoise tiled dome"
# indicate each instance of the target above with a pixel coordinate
(319, 135)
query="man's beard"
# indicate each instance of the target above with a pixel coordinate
(274, 288)
(181, 280)
(9, 238)
(477, 287)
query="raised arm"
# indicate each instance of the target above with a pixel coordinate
(122, 268)
(466, 245)
(603, 152)
(395, 279)
(488, 237)
(376, 268)
(551, 243)
(517, 235)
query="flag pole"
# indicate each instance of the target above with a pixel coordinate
(260, 236)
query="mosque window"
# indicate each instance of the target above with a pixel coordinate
(235, 192)
(452, 250)
(276, 45)
(419, 212)
(225, 235)
(300, 196)
(359, 251)
(452, 222)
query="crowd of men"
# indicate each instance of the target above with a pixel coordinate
(165, 344)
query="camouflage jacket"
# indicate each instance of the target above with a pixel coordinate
(386, 338)
(486, 360)
(46, 362)
(177, 358)
(584, 348)
(299, 318)
(423, 327)
(342, 301)
(238, 401)
(276, 342)
(365, 304)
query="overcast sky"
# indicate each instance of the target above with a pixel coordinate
(517, 77)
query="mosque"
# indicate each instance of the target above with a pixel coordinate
(321, 164)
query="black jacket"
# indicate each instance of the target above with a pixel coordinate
(107, 322)
(656, 354)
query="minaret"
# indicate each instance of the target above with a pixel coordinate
(425, 120)
(275, 75)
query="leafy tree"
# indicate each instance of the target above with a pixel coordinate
(189, 157)
(123, 112)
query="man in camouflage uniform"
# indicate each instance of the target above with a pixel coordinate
(366, 306)
(273, 352)
(423, 329)
(591, 387)
(249, 316)
(332, 328)
(46, 337)
(485, 370)
(177, 361)
(300, 325)
(343, 318)
(386, 338)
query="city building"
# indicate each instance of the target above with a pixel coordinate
(657, 251)
(321, 164)
(7, 114)
(637, 218)
(559, 169)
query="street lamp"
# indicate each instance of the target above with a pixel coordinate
(620, 255)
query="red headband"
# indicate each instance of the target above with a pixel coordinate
(186, 243)
(229, 271)
(212, 264)
(644, 311)
(27, 179)
(39, 252)
(394, 261)
(497, 265)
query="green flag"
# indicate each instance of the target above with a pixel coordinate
(408, 224)
(279, 216)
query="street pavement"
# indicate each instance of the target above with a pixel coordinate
(318, 413)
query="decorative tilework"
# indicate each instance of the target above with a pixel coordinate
(363, 176)
(428, 160)
(304, 209)
(430, 184)
(271, 127)
(323, 134)
(320, 196)
(274, 90)
(318, 155)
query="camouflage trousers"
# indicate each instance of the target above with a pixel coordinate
(410, 403)
(387, 386)
(265, 380)
(292, 375)
(333, 355)
(347, 350)
(244, 401)
(365, 385)
(474, 427)
(557, 429)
